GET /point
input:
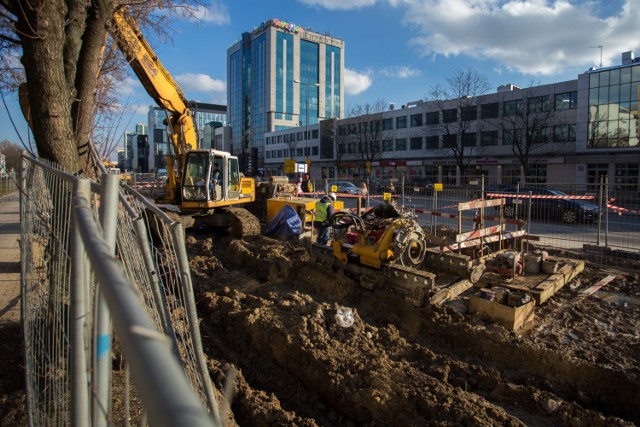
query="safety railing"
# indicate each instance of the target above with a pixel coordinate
(94, 255)
(594, 221)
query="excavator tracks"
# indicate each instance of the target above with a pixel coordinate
(242, 223)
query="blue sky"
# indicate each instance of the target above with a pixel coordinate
(395, 50)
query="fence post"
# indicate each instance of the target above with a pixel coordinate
(529, 218)
(78, 354)
(603, 208)
(606, 218)
(109, 193)
(187, 288)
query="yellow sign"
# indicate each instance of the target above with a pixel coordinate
(368, 167)
(308, 161)
(386, 196)
(334, 188)
(437, 186)
(289, 166)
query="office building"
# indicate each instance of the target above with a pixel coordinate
(203, 114)
(281, 76)
(570, 132)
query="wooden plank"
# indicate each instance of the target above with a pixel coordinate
(450, 292)
(547, 288)
(488, 239)
(592, 289)
(476, 234)
(477, 204)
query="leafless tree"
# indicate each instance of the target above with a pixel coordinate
(359, 135)
(527, 124)
(12, 153)
(457, 102)
(60, 46)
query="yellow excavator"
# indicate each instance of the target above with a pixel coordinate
(206, 184)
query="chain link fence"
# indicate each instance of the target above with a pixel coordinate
(599, 221)
(95, 255)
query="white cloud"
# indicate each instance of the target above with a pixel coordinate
(400, 72)
(339, 4)
(536, 37)
(216, 13)
(355, 82)
(191, 82)
(128, 87)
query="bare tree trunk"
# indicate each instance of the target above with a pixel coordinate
(41, 31)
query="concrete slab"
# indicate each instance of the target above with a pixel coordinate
(10, 259)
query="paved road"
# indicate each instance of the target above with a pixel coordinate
(9, 259)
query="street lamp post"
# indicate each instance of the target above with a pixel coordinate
(306, 124)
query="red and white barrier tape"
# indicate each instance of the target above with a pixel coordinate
(538, 196)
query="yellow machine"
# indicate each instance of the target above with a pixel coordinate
(190, 185)
(383, 247)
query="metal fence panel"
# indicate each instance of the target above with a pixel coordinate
(150, 247)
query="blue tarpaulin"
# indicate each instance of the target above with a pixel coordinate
(285, 224)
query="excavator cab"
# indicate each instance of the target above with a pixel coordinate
(212, 179)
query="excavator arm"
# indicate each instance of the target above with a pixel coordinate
(162, 88)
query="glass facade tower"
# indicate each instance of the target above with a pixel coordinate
(280, 76)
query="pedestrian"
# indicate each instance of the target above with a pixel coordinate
(364, 193)
(322, 220)
(307, 185)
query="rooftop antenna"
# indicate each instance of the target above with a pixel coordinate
(599, 46)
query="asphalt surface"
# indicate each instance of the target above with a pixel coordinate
(9, 259)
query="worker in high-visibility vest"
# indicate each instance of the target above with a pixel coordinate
(322, 220)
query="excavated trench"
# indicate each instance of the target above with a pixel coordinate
(270, 312)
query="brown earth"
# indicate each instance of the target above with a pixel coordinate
(269, 311)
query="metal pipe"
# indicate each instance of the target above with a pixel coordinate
(190, 304)
(109, 195)
(164, 389)
(606, 218)
(78, 353)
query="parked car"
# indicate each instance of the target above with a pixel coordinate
(345, 187)
(566, 210)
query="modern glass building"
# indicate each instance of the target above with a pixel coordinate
(281, 76)
(203, 115)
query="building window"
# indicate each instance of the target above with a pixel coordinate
(538, 104)
(416, 143)
(314, 151)
(449, 141)
(469, 139)
(401, 122)
(387, 124)
(627, 178)
(433, 117)
(512, 108)
(433, 142)
(511, 136)
(566, 101)
(537, 173)
(489, 137)
(450, 116)
(416, 120)
(594, 174)
(401, 144)
(489, 111)
(387, 145)
(469, 113)
(564, 133)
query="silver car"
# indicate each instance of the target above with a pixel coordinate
(344, 187)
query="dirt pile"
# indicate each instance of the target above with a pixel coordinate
(270, 311)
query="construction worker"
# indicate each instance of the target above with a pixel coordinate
(321, 222)
(307, 185)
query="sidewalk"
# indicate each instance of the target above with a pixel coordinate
(9, 259)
